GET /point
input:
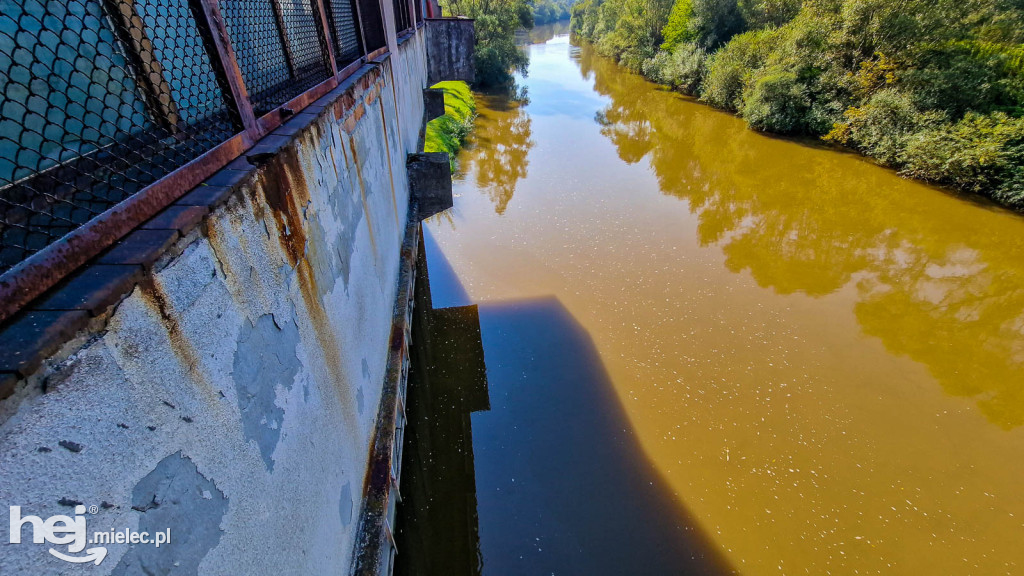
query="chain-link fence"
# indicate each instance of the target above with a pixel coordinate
(278, 48)
(347, 42)
(101, 98)
(373, 36)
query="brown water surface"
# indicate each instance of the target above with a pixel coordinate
(822, 363)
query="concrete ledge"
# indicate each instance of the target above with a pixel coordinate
(35, 335)
(209, 196)
(180, 218)
(93, 290)
(430, 183)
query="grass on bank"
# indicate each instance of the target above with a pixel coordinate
(449, 132)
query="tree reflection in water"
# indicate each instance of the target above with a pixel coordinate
(937, 278)
(498, 155)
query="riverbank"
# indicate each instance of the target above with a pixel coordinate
(936, 99)
(449, 132)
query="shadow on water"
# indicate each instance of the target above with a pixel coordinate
(527, 465)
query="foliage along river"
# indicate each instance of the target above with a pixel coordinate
(710, 350)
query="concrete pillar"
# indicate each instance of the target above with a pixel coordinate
(430, 183)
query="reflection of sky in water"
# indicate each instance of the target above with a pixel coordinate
(824, 361)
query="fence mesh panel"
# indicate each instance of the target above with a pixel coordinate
(279, 48)
(98, 99)
(347, 44)
(401, 15)
(372, 24)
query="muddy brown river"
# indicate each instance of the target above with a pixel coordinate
(710, 351)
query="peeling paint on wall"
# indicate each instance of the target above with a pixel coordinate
(345, 505)
(265, 360)
(177, 497)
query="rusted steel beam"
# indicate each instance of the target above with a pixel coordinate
(224, 57)
(375, 541)
(149, 74)
(34, 275)
(326, 36)
(350, 70)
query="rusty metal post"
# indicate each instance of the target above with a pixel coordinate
(131, 30)
(358, 11)
(224, 57)
(325, 27)
(282, 34)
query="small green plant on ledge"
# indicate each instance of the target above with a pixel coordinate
(449, 132)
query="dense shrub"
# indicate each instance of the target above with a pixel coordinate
(759, 14)
(932, 87)
(729, 67)
(883, 126)
(682, 68)
(978, 153)
(776, 101)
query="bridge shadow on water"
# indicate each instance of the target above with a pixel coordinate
(527, 465)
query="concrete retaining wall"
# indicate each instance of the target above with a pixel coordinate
(232, 395)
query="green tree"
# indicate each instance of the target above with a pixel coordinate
(897, 80)
(497, 55)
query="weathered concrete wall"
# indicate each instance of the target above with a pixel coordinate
(232, 396)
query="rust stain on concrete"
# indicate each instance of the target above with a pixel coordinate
(156, 300)
(287, 194)
(391, 170)
(334, 162)
(362, 193)
(220, 252)
(394, 96)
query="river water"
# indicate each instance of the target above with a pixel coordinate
(710, 350)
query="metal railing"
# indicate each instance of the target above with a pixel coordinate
(111, 109)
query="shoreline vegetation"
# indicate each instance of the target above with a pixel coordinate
(448, 133)
(931, 88)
